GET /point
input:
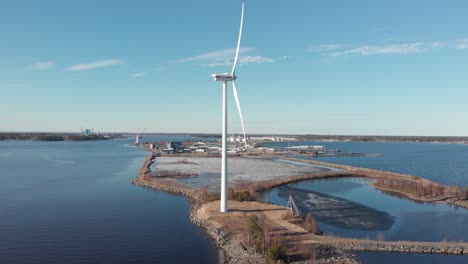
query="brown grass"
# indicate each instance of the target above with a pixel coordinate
(419, 188)
(270, 184)
(311, 225)
(270, 220)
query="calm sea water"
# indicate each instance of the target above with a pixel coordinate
(393, 258)
(349, 207)
(444, 163)
(73, 202)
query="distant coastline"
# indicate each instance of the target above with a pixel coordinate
(364, 138)
(355, 138)
(40, 136)
(56, 136)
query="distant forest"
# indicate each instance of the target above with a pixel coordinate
(385, 138)
(78, 137)
(51, 137)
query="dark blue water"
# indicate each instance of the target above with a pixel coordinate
(349, 207)
(444, 163)
(393, 258)
(73, 202)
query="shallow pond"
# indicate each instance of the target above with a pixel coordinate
(349, 207)
(241, 170)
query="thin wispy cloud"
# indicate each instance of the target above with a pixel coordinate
(336, 50)
(325, 47)
(138, 74)
(42, 65)
(254, 59)
(242, 60)
(95, 65)
(226, 57)
(224, 62)
(386, 49)
(462, 44)
(217, 54)
(156, 69)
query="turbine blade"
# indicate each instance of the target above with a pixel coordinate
(236, 97)
(236, 58)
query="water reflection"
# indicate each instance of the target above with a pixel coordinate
(337, 211)
(349, 207)
(73, 202)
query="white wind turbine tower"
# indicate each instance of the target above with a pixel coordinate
(225, 77)
(137, 139)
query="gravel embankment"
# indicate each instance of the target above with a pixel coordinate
(235, 252)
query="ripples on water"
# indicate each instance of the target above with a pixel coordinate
(444, 163)
(73, 202)
(349, 207)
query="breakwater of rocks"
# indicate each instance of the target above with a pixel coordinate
(448, 248)
(142, 179)
(233, 251)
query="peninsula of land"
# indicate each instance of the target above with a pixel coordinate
(299, 242)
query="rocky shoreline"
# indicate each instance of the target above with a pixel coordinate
(446, 248)
(235, 252)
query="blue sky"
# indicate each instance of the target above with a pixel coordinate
(307, 67)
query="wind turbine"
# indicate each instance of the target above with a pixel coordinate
(137, 139)
(225, 78)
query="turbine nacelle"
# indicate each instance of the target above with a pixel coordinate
(223, 77)
(228, 77)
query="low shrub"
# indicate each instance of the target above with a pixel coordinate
(206, 196)
(380, 237)
(417, 188)
(274, 251)
(310, 224)
(240, 196)
(313, 256)
(256, 233)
